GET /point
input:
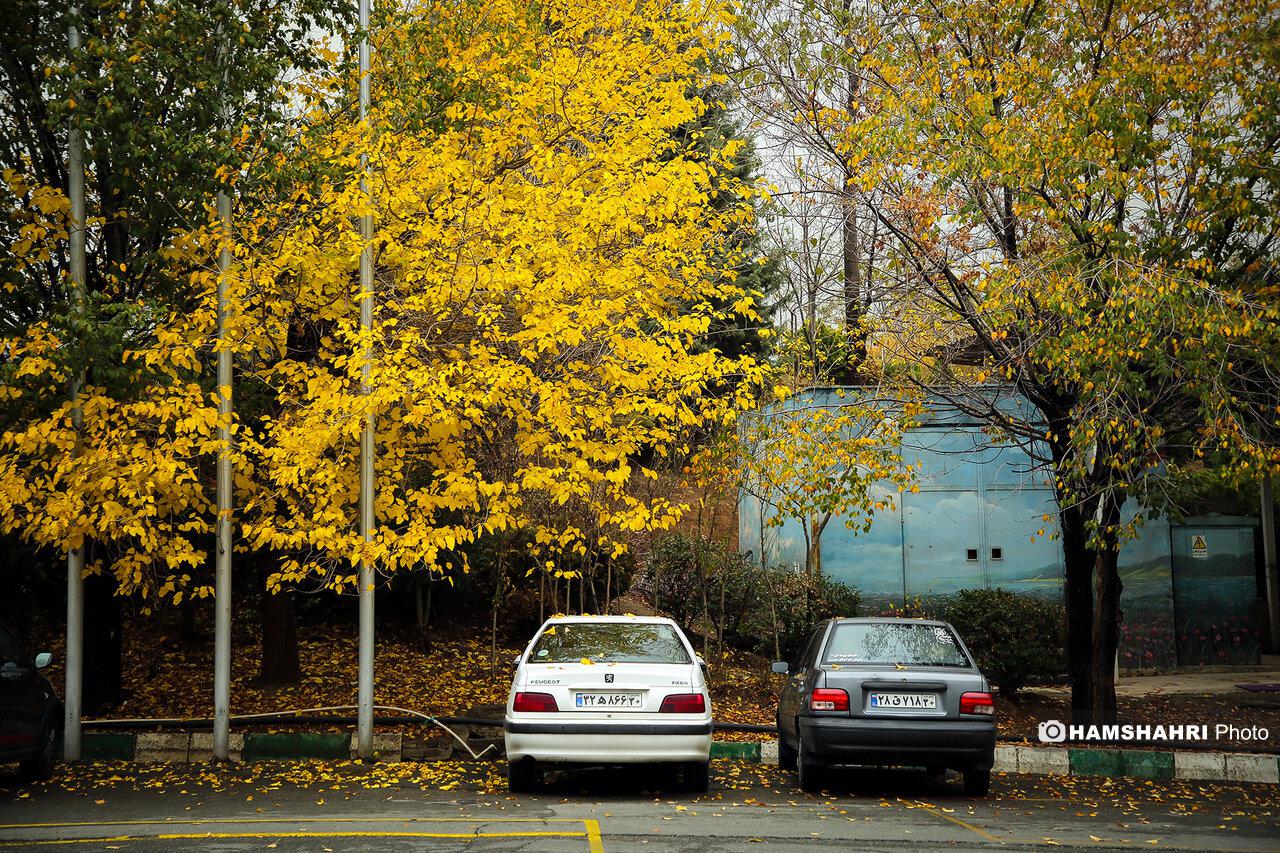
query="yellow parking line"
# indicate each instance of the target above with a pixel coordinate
(215, 836)
(963, 823)
(594, 841)
(215, 820)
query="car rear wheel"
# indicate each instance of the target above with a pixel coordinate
(808, 772)
(40, 765)
(786, 753)
(977, 782)
(696, 776)
(523, 776)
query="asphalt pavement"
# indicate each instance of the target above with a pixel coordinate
(331, 807)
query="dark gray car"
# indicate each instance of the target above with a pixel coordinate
(879, 692)
(30, 713)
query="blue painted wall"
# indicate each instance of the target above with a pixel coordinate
(985, 516)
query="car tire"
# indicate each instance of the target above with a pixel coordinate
(41, 765)
(786, 754)
(523, 776)
(696, 776)
(808, 773)
(977, 782)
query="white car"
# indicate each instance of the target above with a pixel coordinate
(608, 690)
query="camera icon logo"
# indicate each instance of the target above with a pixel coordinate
(1052, 731)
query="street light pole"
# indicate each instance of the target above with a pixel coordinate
(364, 702)
(75, 555)
(222, 568)
(222, 576)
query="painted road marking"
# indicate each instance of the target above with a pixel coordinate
(292, 820)
(226, 836)
(962, 823)
(590, 830)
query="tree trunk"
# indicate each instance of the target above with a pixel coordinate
(608, 585)
(1106, 618)
(103, 644)
(1106, 636)
(424, 610)
(280, 664)
(499, 583)
(1078, 600)
(724, 579)
(854, 300)
(189, 626)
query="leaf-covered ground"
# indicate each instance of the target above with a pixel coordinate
(163, 677)
(330, 782)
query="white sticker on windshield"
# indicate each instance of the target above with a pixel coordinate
(943, 635)
(542, 653)
(843, 656)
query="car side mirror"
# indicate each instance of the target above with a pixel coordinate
(781, 667)
(515, 662)
(702, 663)
(43, 659)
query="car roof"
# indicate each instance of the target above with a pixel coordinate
(625, 618)
(887, 620)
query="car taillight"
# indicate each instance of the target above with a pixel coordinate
(827, 699)
(539, 702)
(977, 703)
(684, 703)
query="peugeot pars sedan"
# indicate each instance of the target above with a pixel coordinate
(886, 691)
(608, 690)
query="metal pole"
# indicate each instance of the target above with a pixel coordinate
(364, 702)
(1269, 560)
(75, 555)
(222, 577)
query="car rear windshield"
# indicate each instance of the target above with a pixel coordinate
(888, 643)
(609, 641)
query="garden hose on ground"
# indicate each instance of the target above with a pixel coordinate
(295, 713)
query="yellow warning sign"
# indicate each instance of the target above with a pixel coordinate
(1199, 546)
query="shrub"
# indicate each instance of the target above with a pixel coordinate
(677, 577)
(798, 602)
(1016, 639)
(760, 605)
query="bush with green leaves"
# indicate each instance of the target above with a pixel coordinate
(1016, 638)
(677, 577)
(791, 604)
(708, 588)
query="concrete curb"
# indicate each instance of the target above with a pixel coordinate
(1132, 763)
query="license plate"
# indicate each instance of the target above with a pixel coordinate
(608, 701)
(924, 701)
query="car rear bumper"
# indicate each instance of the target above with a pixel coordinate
(958, 744)
(608, 743)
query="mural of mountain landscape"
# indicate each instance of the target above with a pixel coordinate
(985, 517)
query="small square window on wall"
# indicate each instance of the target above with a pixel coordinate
(997, 553)
(971, 554)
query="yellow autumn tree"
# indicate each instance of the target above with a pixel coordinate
(547, 253)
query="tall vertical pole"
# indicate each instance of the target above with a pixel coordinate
(75, 555)
(364, 702)
(1268, 509)
(222, 576)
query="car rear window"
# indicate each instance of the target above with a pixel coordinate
(889, 643)
(609, 641)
